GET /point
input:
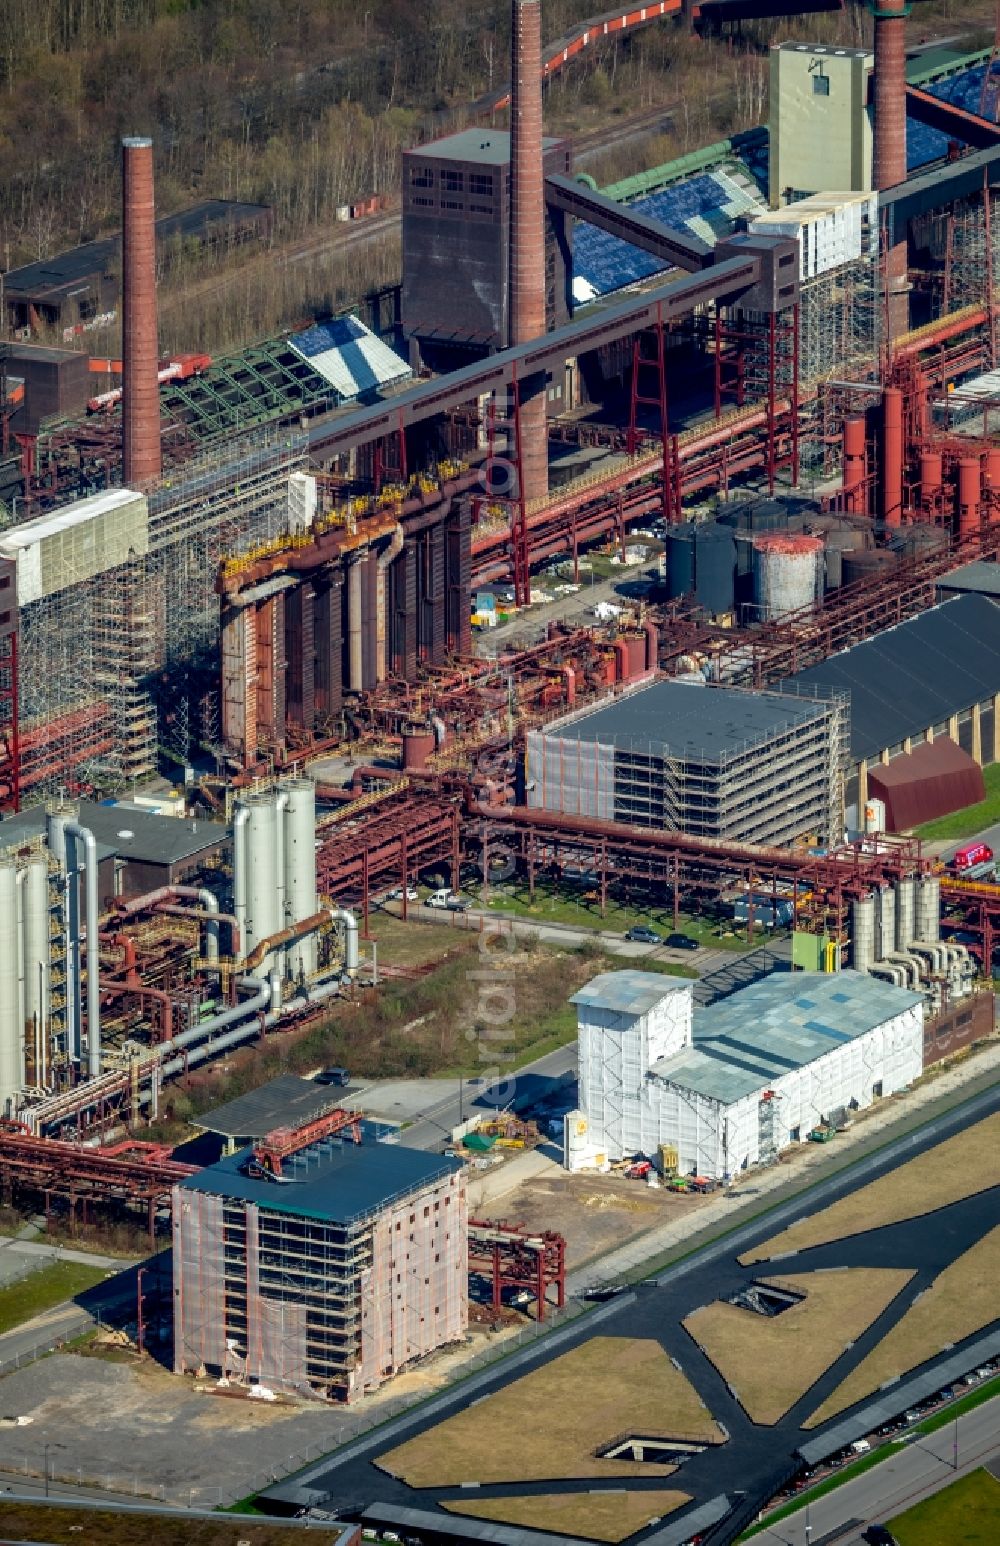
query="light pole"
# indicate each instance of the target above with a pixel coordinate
(45, 1468)
(809, 1528)
(140, 1330)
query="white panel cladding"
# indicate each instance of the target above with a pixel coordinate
(615, 1051)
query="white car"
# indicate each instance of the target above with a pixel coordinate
(396, 894)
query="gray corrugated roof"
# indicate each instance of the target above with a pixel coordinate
(16, 830)
(747, 1041)
(979, 576)
(491, 147)
(915, 675)
(439, 1523)
(679, 719)
(283, 1102)
(627, 992)
(339, 1183)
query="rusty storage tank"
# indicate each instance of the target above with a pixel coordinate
(418, 746)
(787, 573)
(873, 564)
(622, 662)
(841, 538)
(636, 644)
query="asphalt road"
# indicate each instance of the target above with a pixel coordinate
(878, 1495)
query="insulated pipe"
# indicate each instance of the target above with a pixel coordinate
(86, 837)
(260, 1000)
(381, 608)
(355, 676)
(286, 936)
(209, 903)
(854, 464)
(240, 819)
(892, 456)
(280, 807)
(141, 456)
(140, 990)
(351, 957)
(968, 496)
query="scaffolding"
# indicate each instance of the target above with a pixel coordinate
(92, 654)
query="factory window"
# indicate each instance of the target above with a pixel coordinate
(422, 203)
(421, 177)
(452, 182)
(427, 1211)
(452, 204)
(398, 1226)
(437, 1207)
(4, 618)
(480, 209)
(821, 86)
(481, 184)
(5, 585)
(413, 1220)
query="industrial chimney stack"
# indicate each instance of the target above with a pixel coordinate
(889, 150)
(527, 230)
(140, 362)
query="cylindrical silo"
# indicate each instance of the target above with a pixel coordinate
(863, 933)
(786, 573)
(906, 906)
(261, 849)
(11, 1018)
(929, 909)
(418, 747)
(300, 869)
(636, 645)
(871, 565)
(969, 478)
(840, 539)
(680, 561)
(36, 937)
(715, 568)
(931, 479)
(885, 922)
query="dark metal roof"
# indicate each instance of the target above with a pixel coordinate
(283, 1102)
(679, 719)
(464, 1529)
(336, 1182)
(33, 823)
(486, 147)
(133, 833)
(979, 576)
(917, 674)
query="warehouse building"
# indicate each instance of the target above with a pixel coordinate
(316, 1263)
(934, 677)
(729, 1085)
(714, 762)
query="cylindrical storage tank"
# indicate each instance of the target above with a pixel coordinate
(929, 908)
(715, 569)
(680, 561)
(636, 645)
(621, 661)
(969, 479)
(906, 906)
(786, 573)
(874, 816)
(885, 920)
(652, 646)
(838, 540)
(418, 747)
(35, 935)
(11, 1019)
(854, 464)
(300, 870)
(870, 565)
(931, 479)
(261, 845)
(922, 539)
(863, 933)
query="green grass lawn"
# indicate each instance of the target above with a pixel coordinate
(582, 910)
(41, 1290)
(966, 1514)
(973, 818)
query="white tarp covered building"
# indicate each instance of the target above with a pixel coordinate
(731, 1084)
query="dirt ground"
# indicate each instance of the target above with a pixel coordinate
(599, 1517)
(591, 1395)
(57, 1526)
(770, 1363)
(959, 1167)
(593, 1213)
(960, 1301)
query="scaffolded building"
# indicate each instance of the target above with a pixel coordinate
(323, 1270)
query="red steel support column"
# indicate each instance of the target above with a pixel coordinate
(141, 459)
(889, 148)
(892, 456)
(527, 230)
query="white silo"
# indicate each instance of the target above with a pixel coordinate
(35, 934)
(863, 933)
(929, 908)
(11, 1015)
(300, 869)
(787, 573)
(261, 844)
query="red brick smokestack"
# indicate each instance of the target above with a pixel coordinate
(527, 227)
(141, 461)
(889, 149)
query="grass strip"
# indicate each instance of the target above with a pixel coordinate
(42, 1290)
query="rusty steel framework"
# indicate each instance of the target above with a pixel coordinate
(127, 1175)
(513, 1257)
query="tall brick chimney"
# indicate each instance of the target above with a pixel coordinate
(141, 458)
(889, 147)
(527, 230)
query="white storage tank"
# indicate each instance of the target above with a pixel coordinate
(787, 573)
(885, 916)
(11, 1016)
(906, 899)
(300, 869)
(36, 961)
(261, 847)
(929, 908)
(863, 933)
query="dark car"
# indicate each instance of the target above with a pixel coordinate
(880, 1535)
(682, 942)
(641, 935)
(333, 1076)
